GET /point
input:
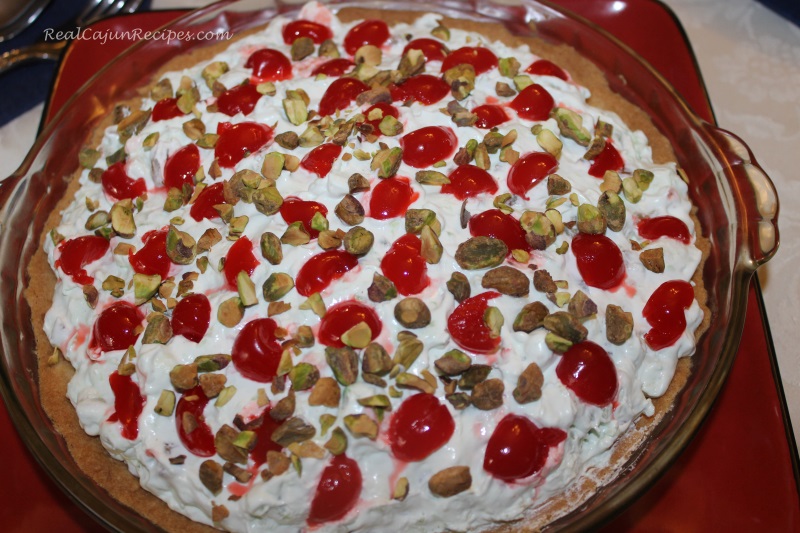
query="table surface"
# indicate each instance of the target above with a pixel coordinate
(742, 49)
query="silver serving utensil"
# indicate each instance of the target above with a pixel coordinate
(52, 49)
(16, 15)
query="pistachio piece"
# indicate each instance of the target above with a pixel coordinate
(326, 392)
(494, 320)
(387, 161)
(557, 344)
(293, 430)
(225, 396)
(145, 287)
(277, 285)
(504, 89)
(473, 375)
(311, 137)
(337, 444)
(431, 248)
(530, 317)
(450, 481)
(506, 280)
(296, 235)
(240, 474)
(416, 219)
(643, 178)
(208, 239)
(431, 177)
(453, 363)
(328, 49)
(272, 166)
(481, 156)
(165, 405)
(461, 80)
(87, 157)
(631, 189)
(549, 142)
(358, 241)
(361, 426)
(481, 252)
(522, 81)
(212, 384)
(376, 360)
(344, 364)
(350, 211)
(441, 32)
(619, 324)
(302, 47)
(330, 240)
(529, 384)
(233, 445)
(382, 289)
(303, 376)
(359, 336)
(296, 112)
(158, 330)
(543, 282)
(181, 247)
(591, 220)
(581, 306)
(377, 402)
(407, 352)
(357, 183)
(611, 182)
(653, 259)
(570, 124)
(211, 473)
(194, 129)
(612, 208)
(277, 463)
(540, 230)
(315, 304)
(565, 325)
(458, 285)
(212, 363)
(412, 313)
(508, 66)
(405, 380)
(288, 140)
(488, 395)
(122, 222)
(161, 90)
(230, 312)
(271, 248)
(267, 200)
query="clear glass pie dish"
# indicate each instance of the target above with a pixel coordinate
(737, 209)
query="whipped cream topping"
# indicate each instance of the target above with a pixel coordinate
(282, 503)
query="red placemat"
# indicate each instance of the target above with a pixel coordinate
(739, 473)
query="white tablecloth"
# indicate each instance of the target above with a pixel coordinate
(750, 60)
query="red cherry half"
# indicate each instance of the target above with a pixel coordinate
(200, 440)
(343, 316)
(588, 371)
(667, 226)
(426, 146)
(608, 159)
(256, 351)
(467, 327)
(152, 258)
(269, 65)
(496, 224)
(390, 198)
(118, 185)
(191, 317)
(116, 327)
(240, 140)
(482, 59)
(489, 116)
(529, 170)
(77, 253)
(665, 312)
(422, 88)
(374, 32)
(181, 167)
(599, 260)
(468, 181)
(240, 258)
(128, 404)
(240, 99)
(518, 448)
(419, 427)
(543, 67)
(165, 109)
(320, 160)
(322, 269)
(404, 265)
(432, 49)
(533, 103)
(334, 68)
(340, 95)
(305, 28)
(294, 209)
(203, 206)
(337, 492)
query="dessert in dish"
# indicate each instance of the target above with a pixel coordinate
(421, 278)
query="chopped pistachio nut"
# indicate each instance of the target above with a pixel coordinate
(230, 312)
(529, 385)
(619, 324)
(212, 384)
(565, 325)
(211, 473)
(543, 281)
(441, 32)
(361, 426)
(122, 222)
(288, 140)
(162, 89)
(271, 248)
(358, 240)
(431, 248)
(145, 287)
(591, 220)
(450, 481)
(303, 376)
(357, 183)
(302, 47)
(376, 360)
(296, 111)
(382, 289)
(653, 259)
(611, 182)
(581, 306)
(504, 89)
(359, 336)
(350, 211)
(453, 363)
(273, 164)
(431, 177)
(557, 344)
(494, 320)
(459, 287)
(337, 443)
(97, 220)
(386, 161)
(328, 49)
(488, 395)
(506, 280)
(296, 235)
(225, 396)
(246, 289)
(530, 317)
(407, 352)
(181, 247)
(412, 313)
(165, 405)
(315, 304)
(311, 137)
(461, 80)
(521, 81)
(293, 430)
(405, 380)
(643, 178)
(184, 377)
(344, 364)
(556, 220)
(550, 143)
(481, 252)
(277, 285)
(509, 66)
(570, 124)
(158, 330)
(631, 189)
(612, 208)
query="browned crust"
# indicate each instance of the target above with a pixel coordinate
(113, 476)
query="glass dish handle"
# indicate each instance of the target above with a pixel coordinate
(755, 195)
